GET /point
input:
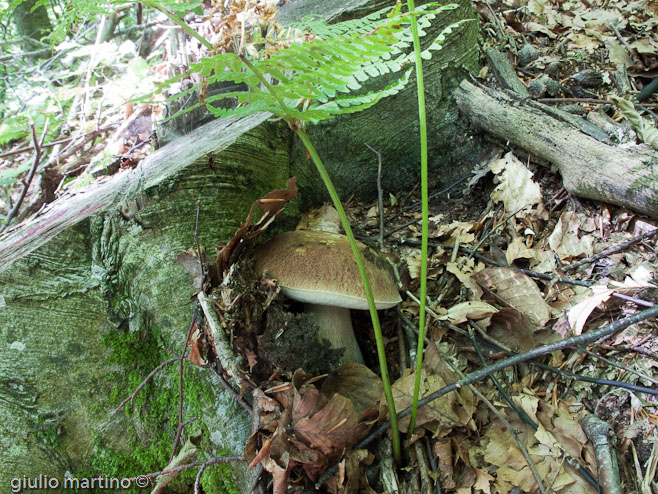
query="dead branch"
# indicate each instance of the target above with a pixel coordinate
(624, 176)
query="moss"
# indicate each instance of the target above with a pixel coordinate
(155, 411)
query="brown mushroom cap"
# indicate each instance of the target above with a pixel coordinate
(319, 268)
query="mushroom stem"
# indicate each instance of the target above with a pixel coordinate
(335, 324)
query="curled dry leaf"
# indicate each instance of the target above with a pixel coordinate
(187, 454)
(439, 416)
(566, 241)
(580, 312)
(460, 313)
(358, 383)
(516, 190)
(513, 329)
(272, 205)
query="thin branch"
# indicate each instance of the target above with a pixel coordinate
(197, 480)
(181, 468)
(431, 196)
(143, 383)
(35, 164)
(592, 101)
(87, 136)
(380, 195)
(609, 251)
(179, 431)
(198, 247)
(606, 461)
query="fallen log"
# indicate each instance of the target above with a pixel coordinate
(621, 175)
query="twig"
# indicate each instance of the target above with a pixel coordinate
(491, 232)
(181, 468)
(593, 101)
(637, 349)
(30, 175)
(143, 383)
(533, 274)
(88, 135)
(255, 486)
(225, 354)
(380, 196)
(179, 431)
(431, 196)
(611, 250)
(620, 37)
(196, 243)
(423, 467)
(620, 366)
(636, 301)
(434, 464)
(86, 105)
(606, 462)
(197, 480)
(480, 374)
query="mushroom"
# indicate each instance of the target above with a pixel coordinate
(318, 268)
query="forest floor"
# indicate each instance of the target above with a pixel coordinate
(515, 262)
(482, 307)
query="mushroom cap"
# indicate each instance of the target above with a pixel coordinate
(319, 268)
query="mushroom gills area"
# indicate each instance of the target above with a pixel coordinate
(335, 324)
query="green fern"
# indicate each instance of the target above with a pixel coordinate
(314, 81)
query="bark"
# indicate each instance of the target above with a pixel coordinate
(122, 191)
(621, 175)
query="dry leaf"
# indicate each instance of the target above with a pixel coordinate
(516, 189)
(517, 290)
(357, 383)
(464, 311)
(272, 204)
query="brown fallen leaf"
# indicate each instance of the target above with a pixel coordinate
(299, 425)
(272, 204)
(515, 290)
(358, 383)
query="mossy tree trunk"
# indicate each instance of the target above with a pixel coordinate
(391, 126)
(85, 318)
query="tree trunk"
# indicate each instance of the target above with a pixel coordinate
(32, 25)
(625, 176)
(84, 316)
(391, 126)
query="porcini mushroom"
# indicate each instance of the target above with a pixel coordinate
(318, 268)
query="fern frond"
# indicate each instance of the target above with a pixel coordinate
(327, 73)
(437, 44)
